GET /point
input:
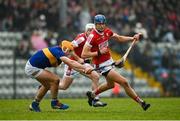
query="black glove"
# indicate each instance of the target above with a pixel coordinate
(119, 64)
(87, 61)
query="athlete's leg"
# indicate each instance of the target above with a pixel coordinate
(116, 77)
(53, 81)
(65, 83)
(68, 78)
(104, 71)
(34, 106)
(94, 76)
(109, 84)
(111, 77)
(41, 92)
(103, 87)
(49, 81)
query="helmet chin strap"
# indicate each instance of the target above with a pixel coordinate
(99, 31)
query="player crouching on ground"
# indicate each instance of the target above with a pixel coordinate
(69, 73)
(50, 57)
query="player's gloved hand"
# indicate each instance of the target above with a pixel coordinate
(87, 61)
(119, 63)
(138, 36)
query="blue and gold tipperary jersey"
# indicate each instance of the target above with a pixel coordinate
(47, 57)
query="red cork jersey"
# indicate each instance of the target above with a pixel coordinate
(97, 41)
(79, 42)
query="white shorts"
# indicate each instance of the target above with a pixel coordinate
(105, 69)
(32, 71)
(71, 72)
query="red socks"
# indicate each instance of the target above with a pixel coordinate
(138, 100)
(97, 92)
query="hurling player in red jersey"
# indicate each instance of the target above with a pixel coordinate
(69, 73)
(97, 47)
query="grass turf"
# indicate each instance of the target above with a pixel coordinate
(117, 109)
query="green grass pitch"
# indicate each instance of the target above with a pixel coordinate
(117, 109)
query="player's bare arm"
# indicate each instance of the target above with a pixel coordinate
(75, 65)
(120, 38)
(77, 58)
(86, 53)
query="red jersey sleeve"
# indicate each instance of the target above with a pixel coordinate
(108, 32)
(80, 39)
(90, 40)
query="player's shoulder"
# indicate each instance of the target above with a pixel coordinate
(91, 37)
(81, 35)
(55, 48)
(107, 29)
(94, 33)
(108, 32)
(80, 38)
(57, 51)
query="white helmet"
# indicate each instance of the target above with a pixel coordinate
(89, 26)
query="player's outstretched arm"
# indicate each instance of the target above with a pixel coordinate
(120, 38)
(75, 65)
(77, 58)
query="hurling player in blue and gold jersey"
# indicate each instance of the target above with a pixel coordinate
(51, 57)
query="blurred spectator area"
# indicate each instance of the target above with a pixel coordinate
(161, 60)
(160, 19)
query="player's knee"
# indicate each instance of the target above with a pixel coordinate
(63, 87)
(47, 86)
(55, 82)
